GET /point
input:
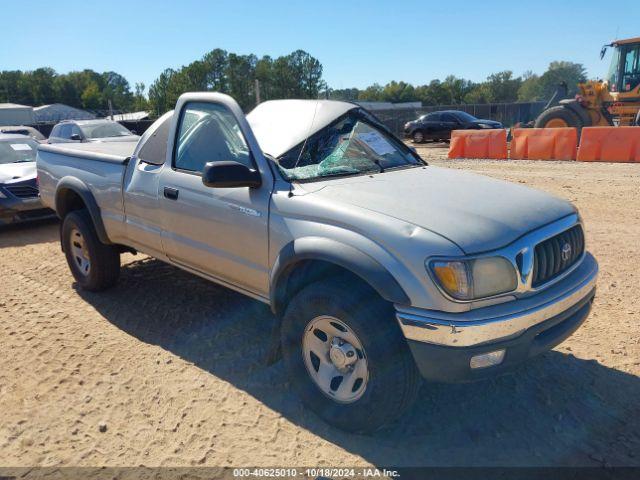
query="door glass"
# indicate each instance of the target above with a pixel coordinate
(612, 76)
(75, 130)
(209, 132)
(631, 77)
(65, 131)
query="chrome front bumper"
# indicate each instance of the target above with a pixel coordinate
(502, 321)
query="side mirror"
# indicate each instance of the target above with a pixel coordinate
(230, 174)
(75, 137)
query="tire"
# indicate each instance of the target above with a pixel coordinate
(81, 245)
(391, 382)
(418, 136)
(557, 117)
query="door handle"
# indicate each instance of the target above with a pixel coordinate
(171, 193)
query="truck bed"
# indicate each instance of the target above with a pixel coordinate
(97, 168)
(114, 152)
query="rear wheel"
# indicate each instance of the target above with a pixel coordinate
(558, 117)
(346, 356)
(94, 265)
(418, 136)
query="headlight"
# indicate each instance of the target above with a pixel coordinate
(473, 279)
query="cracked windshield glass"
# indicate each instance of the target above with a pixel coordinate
(347, 147)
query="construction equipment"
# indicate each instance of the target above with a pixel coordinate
(613, 101)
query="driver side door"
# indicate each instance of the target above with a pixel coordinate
(219, 232)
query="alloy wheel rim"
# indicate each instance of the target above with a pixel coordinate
(418, 137)
(335, 359)
(80, 252)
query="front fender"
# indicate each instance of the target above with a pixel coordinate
(578, 109)
(340, 254)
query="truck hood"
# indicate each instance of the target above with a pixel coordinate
(475, 212)
(17, 172)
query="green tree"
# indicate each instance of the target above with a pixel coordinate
(372, 93)
(140, 102)
(570, 73)
(433, 94)
(344, 94)
(116, 88)
(240, 76)
(456, 89)
(397, 92)
(91, 97)
(530, 90)
(159, 94)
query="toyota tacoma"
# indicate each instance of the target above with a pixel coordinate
(379, 269)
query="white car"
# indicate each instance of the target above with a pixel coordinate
(19, 194)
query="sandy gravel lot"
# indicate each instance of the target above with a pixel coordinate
(174, 367)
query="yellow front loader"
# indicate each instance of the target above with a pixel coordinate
(614, 101)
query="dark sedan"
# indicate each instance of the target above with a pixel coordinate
(437, 126)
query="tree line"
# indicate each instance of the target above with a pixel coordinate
(502, 87)
(297, 75)
(86, 89)
(247, 77)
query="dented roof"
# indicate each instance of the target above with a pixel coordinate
(280, 125)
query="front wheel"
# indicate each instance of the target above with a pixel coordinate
(346, 356)
(418, 136)
(558, 117)
(94, 265)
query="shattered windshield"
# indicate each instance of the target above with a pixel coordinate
(351, 145)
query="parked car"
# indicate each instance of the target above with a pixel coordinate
(437, 126)
(378, 268)
(80, 131)
(23, 130)
(19, 198)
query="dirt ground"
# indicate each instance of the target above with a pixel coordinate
(172, 366)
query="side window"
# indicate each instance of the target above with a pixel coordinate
(631, 73)
(74, 130)
(433, 117)
(154, 150)
(65, 131)
(208, 132)
(447, 117)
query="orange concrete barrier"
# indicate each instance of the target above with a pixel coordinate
(544, 144)
(609, 144)
(488, 143)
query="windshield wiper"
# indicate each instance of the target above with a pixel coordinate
(377, 162)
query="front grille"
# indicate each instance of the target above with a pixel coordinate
(23, 191)
(556, 254)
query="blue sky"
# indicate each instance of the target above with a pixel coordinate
(358, 42)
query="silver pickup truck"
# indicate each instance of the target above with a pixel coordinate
(379, 268)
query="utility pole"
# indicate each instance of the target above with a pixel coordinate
(110, 109)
